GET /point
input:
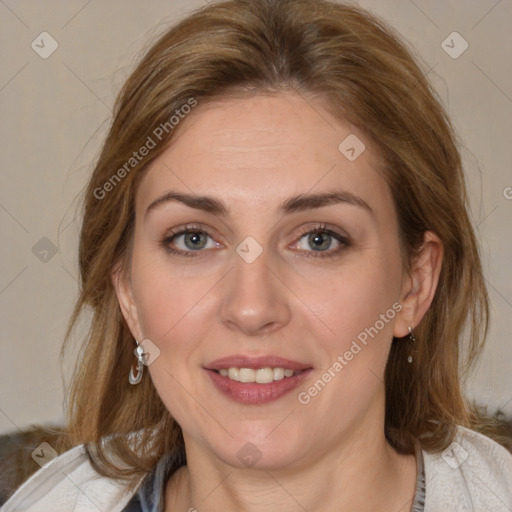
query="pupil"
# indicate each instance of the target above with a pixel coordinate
(321, 238)
(193, 237)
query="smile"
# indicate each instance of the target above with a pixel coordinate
(259, 375)
(249, 390)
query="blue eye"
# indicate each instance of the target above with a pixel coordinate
(320, 237)
(319, 240)
(194, 239)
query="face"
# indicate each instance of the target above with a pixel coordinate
(254, 274)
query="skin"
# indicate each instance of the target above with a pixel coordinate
(253, 154)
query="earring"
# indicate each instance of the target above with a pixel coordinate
(413, 339)
(135, 378)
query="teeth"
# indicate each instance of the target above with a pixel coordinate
(246, 375)
(279, 373)
(260, 375)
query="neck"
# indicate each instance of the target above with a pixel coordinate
(362, 473)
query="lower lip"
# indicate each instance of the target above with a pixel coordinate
(254, 393)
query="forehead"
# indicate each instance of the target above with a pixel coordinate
(264, 148)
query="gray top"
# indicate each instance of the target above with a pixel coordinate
(473, 474)
(419, 496)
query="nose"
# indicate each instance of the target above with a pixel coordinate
(255, 299)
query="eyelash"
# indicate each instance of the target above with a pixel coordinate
(318, 229)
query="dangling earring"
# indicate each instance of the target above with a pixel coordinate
(413, 339)
(135, 378)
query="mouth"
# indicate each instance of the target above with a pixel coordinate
(256, 380)
(259, 375)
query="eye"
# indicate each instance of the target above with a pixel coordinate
(187, 240)
(321, 239)
(190, 240)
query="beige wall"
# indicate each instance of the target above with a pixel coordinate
(54, 115)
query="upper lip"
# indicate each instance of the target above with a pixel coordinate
(241, 361)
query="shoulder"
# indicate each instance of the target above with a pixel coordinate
(474, 473)
(68, 483)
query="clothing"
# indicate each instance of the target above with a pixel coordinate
(474, 474)
(420, 493)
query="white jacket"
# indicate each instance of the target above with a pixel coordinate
(474, 474)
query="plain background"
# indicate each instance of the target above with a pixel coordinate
(55, 113)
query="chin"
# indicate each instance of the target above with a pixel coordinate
(261, 451)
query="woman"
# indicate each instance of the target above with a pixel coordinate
(277, 224)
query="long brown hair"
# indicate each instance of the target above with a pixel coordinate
(366, 75)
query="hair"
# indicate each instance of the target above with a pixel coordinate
(365, 74)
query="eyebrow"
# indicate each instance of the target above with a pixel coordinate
(293, 204)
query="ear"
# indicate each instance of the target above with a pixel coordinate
(123, 287)
(419, 286)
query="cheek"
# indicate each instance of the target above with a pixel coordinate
(359, 313)
(355, 297)
(165, 303)
(164, 297)
(173, 302)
